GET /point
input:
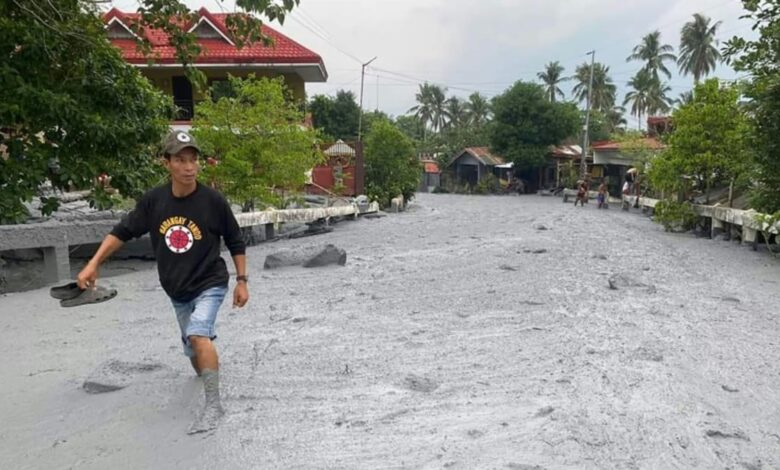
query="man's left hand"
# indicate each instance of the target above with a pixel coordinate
(240, 295)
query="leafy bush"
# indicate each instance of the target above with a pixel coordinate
(489, 184)
(392, 168)
(260, 147)
(675, 216)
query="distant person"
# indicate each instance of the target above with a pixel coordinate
(185, 221)
(582, 191)
(602, 197)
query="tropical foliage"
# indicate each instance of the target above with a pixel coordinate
(526, 124)
(604, 90)
(77, 110)
(654, 54)
(698, 52)
(760, 58)
(261, 150)
(552, 77)
(392, 167)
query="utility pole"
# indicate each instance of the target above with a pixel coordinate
(583, 160)
(362, 80)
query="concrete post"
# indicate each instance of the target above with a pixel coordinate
(269, 231)
(56, 264)
(717, 228)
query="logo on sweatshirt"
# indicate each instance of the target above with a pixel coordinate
(180, 234)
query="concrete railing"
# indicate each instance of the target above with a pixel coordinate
(723, 218)
(55, 237)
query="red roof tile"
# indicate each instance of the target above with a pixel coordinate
(431, 166)
(214, 51)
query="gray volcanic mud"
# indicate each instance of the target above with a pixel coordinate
(458, 335)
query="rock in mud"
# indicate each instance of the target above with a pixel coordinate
(416, 383)
(626, 281)
(308, 257)
(115, 375)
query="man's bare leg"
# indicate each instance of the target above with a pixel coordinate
(207, 361)
(194, 362)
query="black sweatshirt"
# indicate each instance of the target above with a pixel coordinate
(185, 234)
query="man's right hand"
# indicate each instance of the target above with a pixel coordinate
(87, 278)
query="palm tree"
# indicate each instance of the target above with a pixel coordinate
(478, 109)
(439, 107)
(551, 77)
(615, 118)
(430, 108)
(654, 54)
(457, 113)
(423, 110)
(604, 90)
(642, 84)
(657, 101)
(685, 97)
(698, 54)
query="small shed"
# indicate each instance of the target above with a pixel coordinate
(431, 176)
(472, 164)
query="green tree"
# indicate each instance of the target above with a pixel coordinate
(647, 96)
(431, 106)
(411, 126)
(73, 108)
(392, 167)
(552, 77)
(604, 89)
(654, 54)
(760, 58)
(76, 109)
(709, 143)
(338, 117)
(478, 108)
(456, 112)
(698, 54)
(257, 140)
(526, 124)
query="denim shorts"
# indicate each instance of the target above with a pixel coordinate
(198, 316)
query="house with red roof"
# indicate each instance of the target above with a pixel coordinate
(219, 57)
(612, 160)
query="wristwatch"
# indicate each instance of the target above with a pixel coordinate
(242, 277)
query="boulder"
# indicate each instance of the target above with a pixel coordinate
(308, 257)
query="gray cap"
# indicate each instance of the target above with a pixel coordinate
(178, 140)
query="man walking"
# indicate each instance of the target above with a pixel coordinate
(185, 221)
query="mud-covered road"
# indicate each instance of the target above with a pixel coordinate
(468, 332)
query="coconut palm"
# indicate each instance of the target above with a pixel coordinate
(654, 54)
(685, 97)
(552, 77)
(615, 118)
(698, 51)
(478, 109)
(439, 107)
(658, 102)
(430, 108)
(639, 97)
(423, 110)
(604, 90)
(456, 112)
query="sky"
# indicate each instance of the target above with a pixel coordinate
(483, 46)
